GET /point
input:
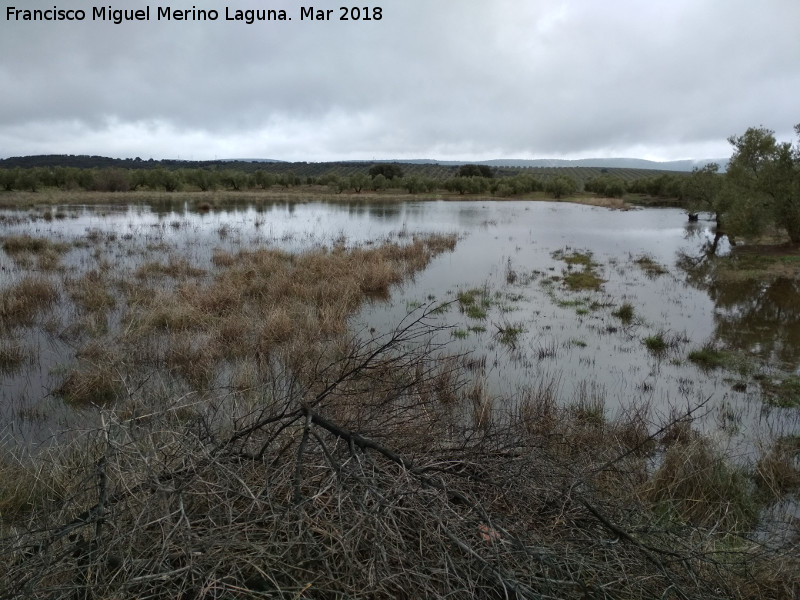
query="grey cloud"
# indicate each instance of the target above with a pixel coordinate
(445, 79)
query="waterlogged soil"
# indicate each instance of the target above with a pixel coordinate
(584, 303)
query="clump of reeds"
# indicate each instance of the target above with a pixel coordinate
(27, 487)
(19, 244)
(92, 384)
(661, 341)
(696, 484)
(13, 355)
(778, 470)
(537, 409)
(91, 291)
(24, 249)
(22, 301)
(194, 357)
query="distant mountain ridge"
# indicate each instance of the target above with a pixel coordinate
(609, 163)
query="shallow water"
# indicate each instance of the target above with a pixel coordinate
(569, 339)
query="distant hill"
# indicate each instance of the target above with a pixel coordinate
(608, 163)
(85, 161)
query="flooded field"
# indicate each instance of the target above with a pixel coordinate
(237, 397)
(611, 309)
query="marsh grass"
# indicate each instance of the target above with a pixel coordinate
(93, 383)
(625, 312)
(660, 342)
(656, 343)
(13, 355)
(475, 302)
(91, 291)
(778, 469)
(175, 268)
(783, 393)
(250, 446)
(21, 302)
(696, 485)
(508, 334)
(583, 278)
(650, 266)
(367, 465)
(21, 244)
(588, 407)
(29, 487)
(25, 250)
(708, 357)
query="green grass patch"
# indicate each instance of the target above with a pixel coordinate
(584, 277)
(474, 302)
(783, 394)
(441, 309)
(709, 358)
(508, 336)
(575, 258)
(625, 312)
(656, 343)
(583, 280)
(650, 266)
(475, 311)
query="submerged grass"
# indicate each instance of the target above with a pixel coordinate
(249, 446)
(584, 278)
(708, 357)
(783, 393)
(625, 312)
(650, 266)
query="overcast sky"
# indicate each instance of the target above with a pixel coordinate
(439, 79)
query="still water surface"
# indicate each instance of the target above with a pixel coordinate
(568, 339)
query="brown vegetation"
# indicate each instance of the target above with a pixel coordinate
(359, 482)
(245, 444)
(22, 301)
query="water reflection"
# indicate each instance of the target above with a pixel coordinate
(568, 339)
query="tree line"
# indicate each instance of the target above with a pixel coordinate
(557, 182)
(760, 189)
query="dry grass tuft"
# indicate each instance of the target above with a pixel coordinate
(13, 355)
(91, 292)
(23, 301)
(91, 385)
(175, 268)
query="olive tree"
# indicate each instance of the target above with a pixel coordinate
(763, 184)
(561, 186)
(702, 190)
